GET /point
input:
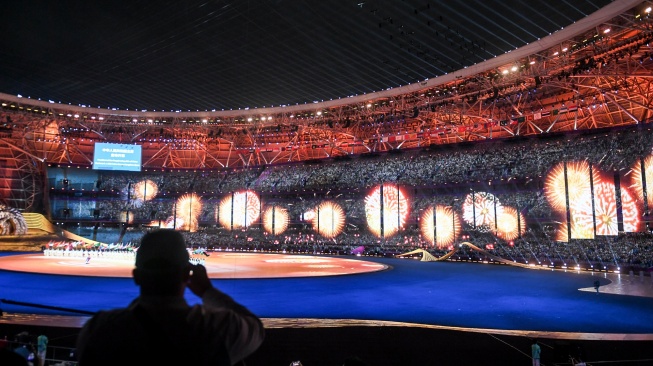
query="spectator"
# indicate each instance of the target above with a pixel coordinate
(159, 327)
(25, 351)
(11, 358)
(535, 353)
(41, 348)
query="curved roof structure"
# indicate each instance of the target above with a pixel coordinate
(199, 55)
(595, 73)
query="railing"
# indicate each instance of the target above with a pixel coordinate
(60, 356)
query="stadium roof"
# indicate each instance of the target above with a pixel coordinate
(204, 55)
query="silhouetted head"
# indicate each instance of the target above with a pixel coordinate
(162, 263)
(353, 361)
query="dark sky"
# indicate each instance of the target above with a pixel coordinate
(198, 55)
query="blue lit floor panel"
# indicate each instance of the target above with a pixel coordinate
(450, 294)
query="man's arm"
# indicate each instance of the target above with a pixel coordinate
(242, 330)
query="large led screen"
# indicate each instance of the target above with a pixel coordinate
(117, 157)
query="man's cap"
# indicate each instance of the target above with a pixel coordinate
(162, 250)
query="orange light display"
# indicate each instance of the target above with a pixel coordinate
(329, 220)
(479, 209)
(510, 224)
(145, 190)
(447, 226)
(395, 210)
(637, 179)
(246, 208)
(275, 220)
(189, 208)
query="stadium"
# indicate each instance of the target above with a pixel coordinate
(399, 182)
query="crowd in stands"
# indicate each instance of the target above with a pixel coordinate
(514, 171)
(499, 166)
(29, 349)
(489, 161)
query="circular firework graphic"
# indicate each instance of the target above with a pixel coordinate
(309, 215)
(126, 217)
(605, 212)
(329, 220)
(189, 208)
(395, 210)
(561, 233)
(629, 211)
(246, 210)
(579, 230)
(638, 177)
(447, 226)
(171, 223)
(275, 220)
(145, 190)
(509, 225)
(578, 184)
(580, 214)
(479, 209)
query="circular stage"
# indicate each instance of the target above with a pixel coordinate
(219, 265)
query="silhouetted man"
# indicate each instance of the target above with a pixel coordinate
(159, 327)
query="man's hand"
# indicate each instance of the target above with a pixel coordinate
(198, 281)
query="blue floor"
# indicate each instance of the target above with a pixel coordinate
(440, 293)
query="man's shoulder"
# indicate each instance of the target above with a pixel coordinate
(112, 313)
(112, 317)
(214, 313)
(109, 328)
